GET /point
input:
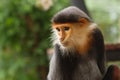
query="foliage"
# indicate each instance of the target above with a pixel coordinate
(24, 38)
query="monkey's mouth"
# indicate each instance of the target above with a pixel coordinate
(65, 43)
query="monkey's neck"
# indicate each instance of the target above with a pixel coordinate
(74, 53)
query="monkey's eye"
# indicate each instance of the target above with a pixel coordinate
(57, 29)
(66, 28)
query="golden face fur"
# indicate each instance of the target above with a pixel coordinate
(73, 36)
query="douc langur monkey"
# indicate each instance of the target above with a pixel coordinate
(79, 52)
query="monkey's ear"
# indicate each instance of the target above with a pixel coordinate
(83, 20)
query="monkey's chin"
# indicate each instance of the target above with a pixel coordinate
(66, 45)
(66, 48)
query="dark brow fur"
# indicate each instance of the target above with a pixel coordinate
(70, 14)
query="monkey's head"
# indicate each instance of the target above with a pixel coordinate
(71, 28)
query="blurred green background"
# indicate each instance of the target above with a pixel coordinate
(25, 33)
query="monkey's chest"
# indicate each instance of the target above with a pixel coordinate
(75, 69)
(67, 67)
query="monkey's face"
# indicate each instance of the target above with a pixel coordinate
(63, 33)
(69, 35)
(73, 36)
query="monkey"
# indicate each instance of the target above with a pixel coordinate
(113, 73)
(79, 52)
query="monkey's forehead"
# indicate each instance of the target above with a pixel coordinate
(55, 25)
(69, 14)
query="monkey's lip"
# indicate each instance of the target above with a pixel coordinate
(64, 43)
